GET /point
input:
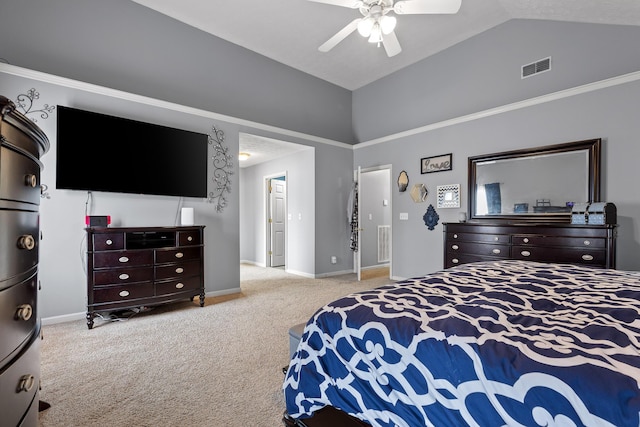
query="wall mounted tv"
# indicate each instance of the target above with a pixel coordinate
(98, 152)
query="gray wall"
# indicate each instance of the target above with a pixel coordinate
(146, 55)
(484, 72)
(121, 44)
(427, 103)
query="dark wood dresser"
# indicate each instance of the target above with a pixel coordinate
(22, 145)
(557, 242)
(139, 267)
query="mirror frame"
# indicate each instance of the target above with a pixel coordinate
(591, 146)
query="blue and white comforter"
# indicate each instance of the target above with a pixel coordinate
(506, 343)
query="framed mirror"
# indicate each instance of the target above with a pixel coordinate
(534, 185)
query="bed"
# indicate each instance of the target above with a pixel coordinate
(505, 343)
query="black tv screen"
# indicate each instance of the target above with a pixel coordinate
(98, 152)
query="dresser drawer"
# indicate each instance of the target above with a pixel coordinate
(19, 383)
(453, 259)
(482, 238)
(586, 242)
(182, 285)
(119, 276)
(18, 308)
(184, 269)
(189, 238)
(122, 258)
(173, 255)
(501, 251)
(20, 177)
(562, 255)
(19, 242)
(108, 241)
(119, 293)
(31, 417)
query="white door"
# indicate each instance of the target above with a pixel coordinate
(277, 218)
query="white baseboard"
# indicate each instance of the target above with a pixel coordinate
(79, 316)
(64, 318)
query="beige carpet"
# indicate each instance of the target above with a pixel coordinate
(182, 365)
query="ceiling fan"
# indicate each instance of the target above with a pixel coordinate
(377, 24)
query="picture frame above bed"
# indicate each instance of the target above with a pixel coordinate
(539, 184)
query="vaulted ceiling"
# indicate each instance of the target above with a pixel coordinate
(290, 31)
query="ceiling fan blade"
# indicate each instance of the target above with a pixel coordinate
(391, 44)
(339, 36)
(353, 4)
(426, 6)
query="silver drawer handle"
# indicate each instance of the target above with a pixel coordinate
(123, 276)
(495, 239)
(496, 251)
(31, 180)
(26, 383)
(455, 247)
(109, 242)
(123, 259)
(525, 240)
(179, 255)
(24, 312)
(525, 253)
(179, 285)
(455, 236)
(179, 270)
(124, 293)
(27, 242)
(455, 260)
(189, 239)
(587, 242)
(587, 257)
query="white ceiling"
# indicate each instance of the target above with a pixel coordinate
(290, 31)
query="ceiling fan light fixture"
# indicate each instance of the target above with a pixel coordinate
(243, 156)
(387, 24)
(376, 34)
(365, 26)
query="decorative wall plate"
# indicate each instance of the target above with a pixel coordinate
(419, 193)
(403, 181)
(431, 218)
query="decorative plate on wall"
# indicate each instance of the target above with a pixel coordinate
(431, 218)
(419, 193)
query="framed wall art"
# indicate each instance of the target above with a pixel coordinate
(441, 163)
(448, 196)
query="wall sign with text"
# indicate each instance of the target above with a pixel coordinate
(436, 164)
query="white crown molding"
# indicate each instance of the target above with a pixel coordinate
(578, 90)
(127, 96)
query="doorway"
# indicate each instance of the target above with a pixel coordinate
(276, 221)
(375, 214)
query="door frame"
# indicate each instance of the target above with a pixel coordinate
(267, 228)
(357, 173)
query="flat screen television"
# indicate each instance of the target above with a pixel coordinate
(98, 152)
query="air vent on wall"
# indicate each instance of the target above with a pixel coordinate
(536, 67)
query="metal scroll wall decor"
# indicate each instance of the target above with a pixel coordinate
(25, 103)
(222, 169)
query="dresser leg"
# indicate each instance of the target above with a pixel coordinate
(90, 319)
(202, 299)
